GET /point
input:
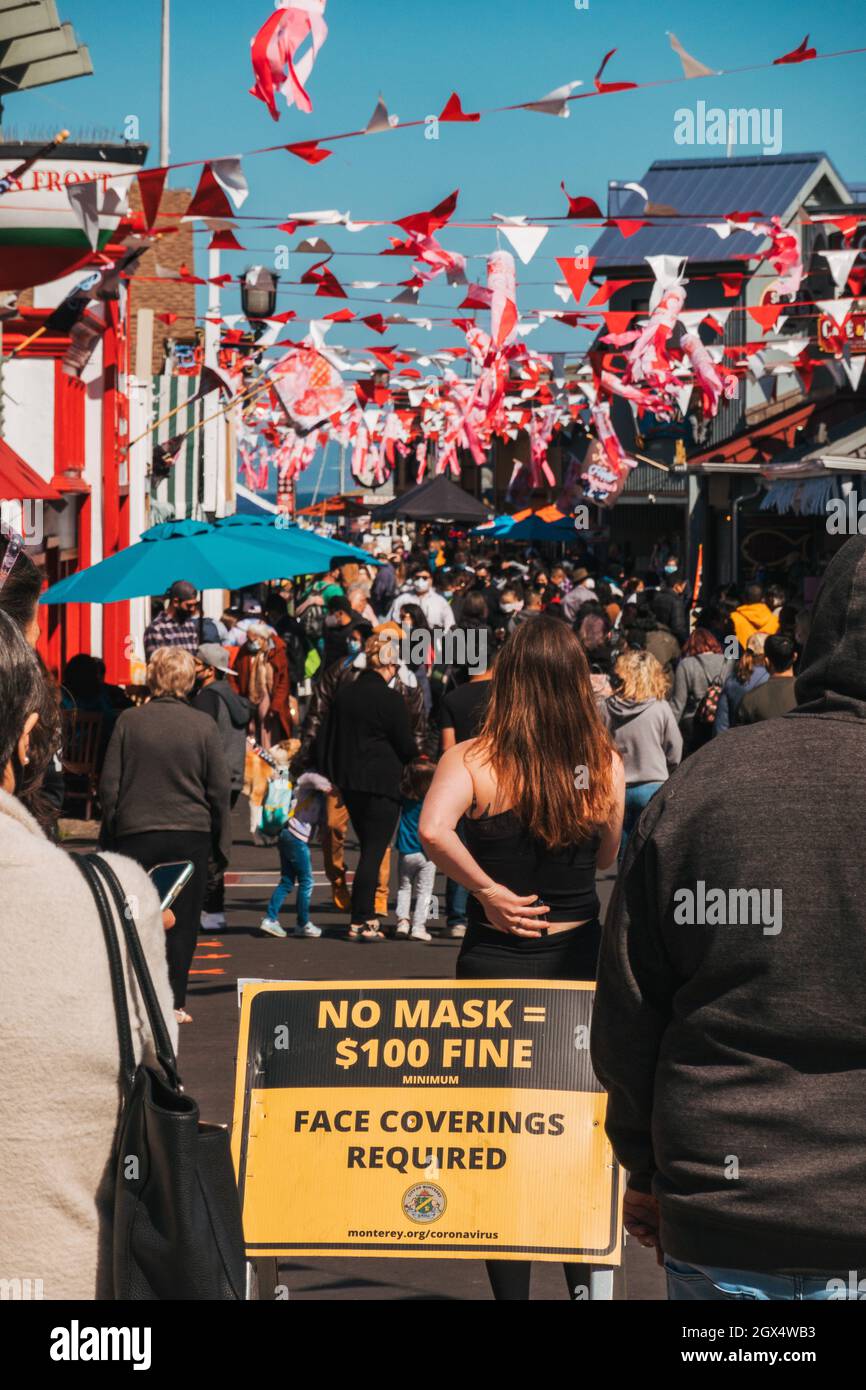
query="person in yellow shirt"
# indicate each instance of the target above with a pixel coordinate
(753, 616)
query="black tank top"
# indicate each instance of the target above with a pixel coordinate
(563, 878)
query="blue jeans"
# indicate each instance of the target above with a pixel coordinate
(456, 903)
(637, 797)
(456, 896)
(296, 866)
(705, 1283)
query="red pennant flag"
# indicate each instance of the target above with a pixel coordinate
(743, 216)
(856, 280)
(150, 186)
(284, 317)
(581, 207)
(188, 278)
(376, 322)
(424, 223)
(167, 319)
(454, 111)
(477, 297)
(310, 151)
(618, 320)
(576, 275)
(610, 86)
(341, 316)
(225, 241)
(628, 227)
(209, 199)
(290, 227)
(798, 55)
(220, 280)
(386, 356)
(847, 225)
(765, 315)
(604, 292)
(731, 285)
(714, 324)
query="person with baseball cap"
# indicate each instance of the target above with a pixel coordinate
(180, 624)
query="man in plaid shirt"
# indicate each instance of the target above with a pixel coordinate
(179, 624)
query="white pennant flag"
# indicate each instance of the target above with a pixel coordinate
(230, 177)
(840, 263)
(525, 240)
(380, 120)
(556, 102)
(84, 201)
(684, 396)
(563, 292)
(854, 369)
(668, 271)
(838, 309)
(691, 66)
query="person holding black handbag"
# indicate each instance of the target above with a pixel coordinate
(59, 1092)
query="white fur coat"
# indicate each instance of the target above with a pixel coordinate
(59, 1059)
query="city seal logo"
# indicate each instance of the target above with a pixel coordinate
(425, 1202)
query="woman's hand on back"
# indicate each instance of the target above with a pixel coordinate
(510, 913)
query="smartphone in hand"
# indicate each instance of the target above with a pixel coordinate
(170, 879)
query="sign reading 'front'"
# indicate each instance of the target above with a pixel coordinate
(455, 1119)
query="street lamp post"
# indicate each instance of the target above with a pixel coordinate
(164, 84)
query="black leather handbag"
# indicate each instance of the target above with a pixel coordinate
(177, 1221)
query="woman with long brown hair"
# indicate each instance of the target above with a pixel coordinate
(540, 796)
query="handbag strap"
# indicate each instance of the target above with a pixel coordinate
(118, 983)
(161, 1040)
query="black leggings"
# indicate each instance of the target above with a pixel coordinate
(167, 847)
(489, 955)
(374, 819)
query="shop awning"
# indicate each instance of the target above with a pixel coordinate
(19, 482)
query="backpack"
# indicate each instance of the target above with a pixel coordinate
(708, 706)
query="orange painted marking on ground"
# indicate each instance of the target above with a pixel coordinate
(207, 972)
(214, 955)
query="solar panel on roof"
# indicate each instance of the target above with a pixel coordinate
(705, 188)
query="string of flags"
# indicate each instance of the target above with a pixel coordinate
(655, 361)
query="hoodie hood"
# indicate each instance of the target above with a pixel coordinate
(756, 615)
(624, 711)
(238, 706)
(832, 675)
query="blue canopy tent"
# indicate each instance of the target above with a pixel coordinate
(211, 557)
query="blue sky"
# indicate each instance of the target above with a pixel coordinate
(415, 54)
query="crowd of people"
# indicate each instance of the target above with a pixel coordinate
(604, 722)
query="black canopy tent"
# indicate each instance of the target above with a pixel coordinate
(436, 499)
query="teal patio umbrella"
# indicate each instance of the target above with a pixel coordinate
(210, 557)
(274, 530)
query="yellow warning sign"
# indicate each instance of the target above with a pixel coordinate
(459, 1119)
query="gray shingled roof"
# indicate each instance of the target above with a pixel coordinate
(769, 184)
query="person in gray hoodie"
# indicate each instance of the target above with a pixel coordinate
(728, 1026)
(644, 730)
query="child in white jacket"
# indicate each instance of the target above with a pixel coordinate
(307, 811)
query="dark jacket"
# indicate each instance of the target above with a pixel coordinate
(232, 713)
(743, 1041)
(670, 609)
(324, 692)
(776, 696)
(369, 738)
(165, 770)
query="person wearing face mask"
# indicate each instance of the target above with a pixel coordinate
(216, 696)
(670, 604)
(436, 609)
(368, 741)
